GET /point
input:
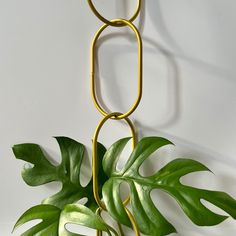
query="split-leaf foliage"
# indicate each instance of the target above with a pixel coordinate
(62, 208)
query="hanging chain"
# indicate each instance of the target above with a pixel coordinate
(114, 115)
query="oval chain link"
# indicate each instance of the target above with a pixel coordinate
(94, 155)
(140, 69)
(114, 115)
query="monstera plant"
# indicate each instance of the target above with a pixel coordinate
(62, 208)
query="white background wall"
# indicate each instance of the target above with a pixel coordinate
(189, 89)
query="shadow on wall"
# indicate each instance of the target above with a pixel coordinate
(155, 13)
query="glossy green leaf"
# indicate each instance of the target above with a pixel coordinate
(67, 172)
(149, 219)
(54, 220)
(81, 215)
(49, 215)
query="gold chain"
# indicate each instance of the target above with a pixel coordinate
(114, 115)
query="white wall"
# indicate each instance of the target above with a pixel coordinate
(189, 89)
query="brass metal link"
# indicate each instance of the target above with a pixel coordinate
(94, 155)
(140, 69)
(110, 22)
(98, 212)
(133, 222)
(131, 218)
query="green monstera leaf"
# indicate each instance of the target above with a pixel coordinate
(148, 217)
(49, 215)
(54, 220)
(67, 172)
(81, 215)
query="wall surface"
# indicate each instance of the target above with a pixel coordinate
(189, 90)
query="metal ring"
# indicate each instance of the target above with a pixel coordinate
(140, 69)
(98, 212)
(94, 155)
(110, 22)
(132, 220)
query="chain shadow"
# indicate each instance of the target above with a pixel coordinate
(156, 16)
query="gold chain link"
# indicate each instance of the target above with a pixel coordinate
(114, 115)
(94, 154)
(140, 68)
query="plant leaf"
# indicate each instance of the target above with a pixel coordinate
(50, 220)
(54, 220)
(110, 161)
(81, 215)
(149, 219)
(67, 172)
